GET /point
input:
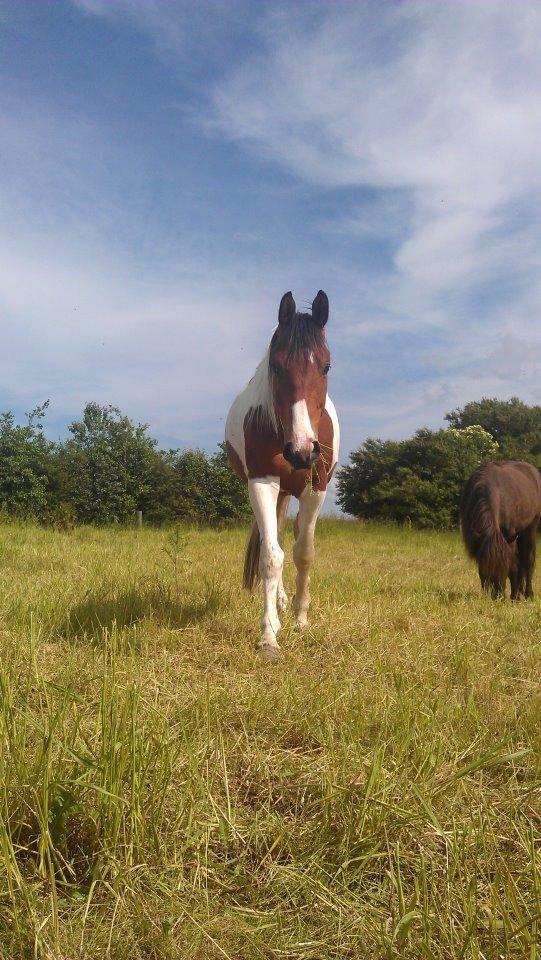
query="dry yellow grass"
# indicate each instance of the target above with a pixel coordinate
(164, 794)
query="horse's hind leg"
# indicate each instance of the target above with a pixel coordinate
(527, 540)
(310, 503)
(281, 512)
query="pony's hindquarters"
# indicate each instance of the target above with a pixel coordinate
(483, 539)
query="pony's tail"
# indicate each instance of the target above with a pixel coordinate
(251, 576)
(483, 539)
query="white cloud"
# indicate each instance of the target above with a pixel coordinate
(78, 326)
(437, 107)
(85, 315)
(424, 115)
(433, 106)
(394, 95)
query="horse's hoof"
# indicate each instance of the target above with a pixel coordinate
(268, 651)
(301, 625)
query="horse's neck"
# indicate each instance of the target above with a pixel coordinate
(259, 394)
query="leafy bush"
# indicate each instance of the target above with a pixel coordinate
(514, 426)
(105, 465)
(26, 466)
(188, 485)
(417, 480)
(108, 468)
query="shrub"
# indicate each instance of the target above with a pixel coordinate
(417, 480)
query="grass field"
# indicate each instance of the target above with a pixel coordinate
(164, 794)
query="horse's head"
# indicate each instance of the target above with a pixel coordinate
(299, 361)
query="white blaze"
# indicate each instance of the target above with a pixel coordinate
(302, 432)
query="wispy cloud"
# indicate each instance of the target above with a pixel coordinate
(87, 312)
(390, 152)
(175, 27)
(436, 108)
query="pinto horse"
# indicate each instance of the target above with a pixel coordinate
(282, 438)
(500, 511)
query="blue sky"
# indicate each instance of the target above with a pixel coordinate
(169, 169)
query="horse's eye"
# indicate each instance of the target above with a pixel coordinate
(274, 369)
(326, 368)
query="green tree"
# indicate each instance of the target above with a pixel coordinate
(515, 426)
(106, 465)
(417, 480)
(230, 494)
(26, 466)
(188, 485)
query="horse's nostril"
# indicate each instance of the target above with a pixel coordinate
(288, 452)
(298, 460)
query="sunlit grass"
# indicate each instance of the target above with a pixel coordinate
(164, 794)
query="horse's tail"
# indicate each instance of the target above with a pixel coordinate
(483, 539)
(251, 576)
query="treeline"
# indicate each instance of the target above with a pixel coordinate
(107, 469)
(419, 480)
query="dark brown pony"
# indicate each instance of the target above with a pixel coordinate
(500, 511)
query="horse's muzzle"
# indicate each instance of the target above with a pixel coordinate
(296, 459)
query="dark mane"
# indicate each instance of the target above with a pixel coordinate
(304, 335)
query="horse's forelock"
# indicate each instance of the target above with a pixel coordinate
(298, 337)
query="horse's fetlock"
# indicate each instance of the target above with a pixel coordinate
(301, 604)
(270, 627)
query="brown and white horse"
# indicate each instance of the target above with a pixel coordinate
(282, 437)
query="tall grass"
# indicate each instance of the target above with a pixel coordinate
(164, 794)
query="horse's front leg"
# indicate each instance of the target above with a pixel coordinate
(264, 493)
(310, 503)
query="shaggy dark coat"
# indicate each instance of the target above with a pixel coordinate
(500, 511)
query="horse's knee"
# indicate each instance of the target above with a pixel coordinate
(271, 561)
(303, 554)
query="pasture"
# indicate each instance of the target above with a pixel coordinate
(165, 794)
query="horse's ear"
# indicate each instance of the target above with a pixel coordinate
(287, 308)
(320, 309)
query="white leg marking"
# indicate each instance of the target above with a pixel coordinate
(310, 503)
(263, 493)
(283, 503)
